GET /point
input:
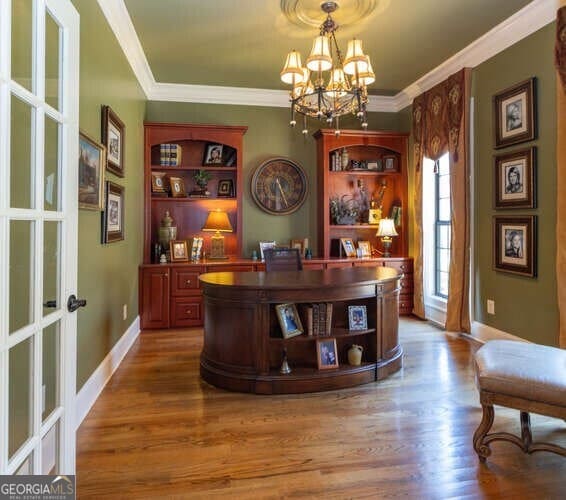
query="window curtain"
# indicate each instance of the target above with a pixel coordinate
(560, 60)
(440, 125)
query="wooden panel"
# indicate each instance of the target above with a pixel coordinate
(184, 281)
(186, 311)
(401, 265)
(312, 265)
(229, 268)
(154, 304)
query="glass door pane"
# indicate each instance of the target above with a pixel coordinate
(51, 266)
(51, 61)
(50, 451)
(20, 393)
(20, 157)
(50, 373)
(52, 198)
(21, 274)
(22, 42)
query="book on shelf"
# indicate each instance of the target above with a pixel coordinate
(317, 319)
(306, 310)
(170, 155)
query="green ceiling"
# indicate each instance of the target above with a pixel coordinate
(243, 43)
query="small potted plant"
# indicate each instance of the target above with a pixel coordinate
(201, 178)
(343, 210)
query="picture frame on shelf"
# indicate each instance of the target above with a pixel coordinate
(326, 354)
(177, 187)
(390, 164)
(264, 245)
(196, 248)
(113, 215)
(92, 163)
(213, 154)
(514, 244)
(114, 138)
(158, 182)
(364, 248)
(348, 247)
(225, 188)
(514, 111)
(179, 251)
(289, 320)
(357, 318)
(515, 182)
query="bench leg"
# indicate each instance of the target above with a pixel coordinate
(481, 448)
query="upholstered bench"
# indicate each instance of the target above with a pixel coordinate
(523, 376)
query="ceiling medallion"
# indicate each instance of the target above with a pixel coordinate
(306, 13)
(329, 86)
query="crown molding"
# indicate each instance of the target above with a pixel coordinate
(121, 24)
(523, 23)
(529, 19)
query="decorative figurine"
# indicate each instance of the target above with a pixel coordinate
(285, 369)
(167, 231)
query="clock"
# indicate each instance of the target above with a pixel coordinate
(279, 186)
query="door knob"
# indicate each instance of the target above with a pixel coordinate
(73, 303)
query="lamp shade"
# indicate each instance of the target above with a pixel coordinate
(337, 83)
(355, 61)
(218, 221)
(292, 72)
(320, 59)
(386, 228)
(366, 77)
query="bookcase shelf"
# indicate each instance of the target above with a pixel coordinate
(188, 168)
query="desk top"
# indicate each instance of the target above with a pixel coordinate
(281, 280)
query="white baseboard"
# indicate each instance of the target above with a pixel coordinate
(482, 333)
(92, 388)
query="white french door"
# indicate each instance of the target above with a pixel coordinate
(39, 81)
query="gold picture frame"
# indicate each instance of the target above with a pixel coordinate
(289, 320)
(348, 247)
(177, 187)
(326, 354)
(179, 251)
(365, 248)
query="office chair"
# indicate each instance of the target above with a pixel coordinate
(282, 259)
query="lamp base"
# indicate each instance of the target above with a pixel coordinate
(217, 248)
(386, 246)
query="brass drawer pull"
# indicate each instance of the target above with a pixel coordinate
(188, 282)
(188, 312)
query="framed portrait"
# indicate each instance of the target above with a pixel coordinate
(177, 186)
(348, 246)
(289, 320)
(264, 245)
(213, 154)
(514, 111)
(179, 250)
(326, 354)
(300, 244)
(364, 248)
(225, 188)
(390, 164)
(357, 318)
(514, 244)
(92, 162)
(158, 182)
(114, 138)
(113, 215)
(515, 185)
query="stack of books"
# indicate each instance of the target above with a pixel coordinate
(170, 155)
(318, 319)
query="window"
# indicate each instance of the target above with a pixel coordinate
(436, 235)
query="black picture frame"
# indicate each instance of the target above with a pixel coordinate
(114, 138)
(213, 155)
(113, 215)
(225, 188)
(515, 244)
(514, 112)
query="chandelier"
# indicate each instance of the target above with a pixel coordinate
(329, 86)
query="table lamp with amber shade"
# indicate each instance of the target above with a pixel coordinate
(217, 222)
(386, 231)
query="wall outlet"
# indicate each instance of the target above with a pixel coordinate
(125, 311)
(490, 306)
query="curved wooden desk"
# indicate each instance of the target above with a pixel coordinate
(243, 343)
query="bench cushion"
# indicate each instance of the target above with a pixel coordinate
(529, 371)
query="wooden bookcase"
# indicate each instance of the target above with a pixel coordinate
(189, 213)
(382, 148)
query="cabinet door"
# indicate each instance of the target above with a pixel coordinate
(154, 297)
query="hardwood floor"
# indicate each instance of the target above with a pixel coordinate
(158, 431)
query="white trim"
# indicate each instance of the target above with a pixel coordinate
(121, 24)
(484, 333)
(436, 313)
(523, 23)
(92, 388)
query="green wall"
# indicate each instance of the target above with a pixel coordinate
(268, 135)
(108, 274)
(524, 307)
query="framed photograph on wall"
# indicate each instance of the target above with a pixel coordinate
(515, 183)
(289, 320)
(514, 244)
(326, 354)
(114, 138)
(92, 162)
(514, 112)
(113, 215)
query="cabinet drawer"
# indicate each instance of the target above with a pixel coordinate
(401, 265)
(405, 303)
(186, 312)
(309, 266)
(229, 268)
(406, 284)
(185, 281)
(332, 265)
(367, 263)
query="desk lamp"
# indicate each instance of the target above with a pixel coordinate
(385, 231)
(217, 222)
